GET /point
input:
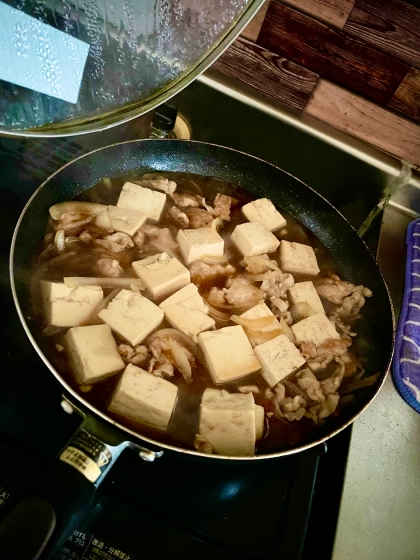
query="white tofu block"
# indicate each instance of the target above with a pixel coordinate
(195, 244)
(298, 258)
(259, 421)
(162, 274)
(253, 238)
(227, 422)
(264, 211)
(279, 358)
(229, 354)
(93, 353)
(69, 307)
(132, 316)
(145, 398)
(260, 311)
(316, 329)
(146, 201)
(126, 220)
(187, 312)
(305, 292)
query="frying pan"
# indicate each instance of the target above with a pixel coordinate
(355, 263)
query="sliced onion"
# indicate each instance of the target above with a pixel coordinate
(107, 182)
(179, 337)
(216, 314)
(253, 323)
(181, 361)
(52, 330)
(213, 259)
(216, 223)
(60, 241)
(75, 207)
(265, 276)
(300, 310)
(94, 319)
(103, 221)
(287, 330)
(121, 283)
(257, 260)
(364, 382)
(263, 335)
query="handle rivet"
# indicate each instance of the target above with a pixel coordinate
(66, 406)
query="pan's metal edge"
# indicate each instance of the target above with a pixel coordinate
(97, 412)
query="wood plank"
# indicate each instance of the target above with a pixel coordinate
(332, 12)
(268, 72)
(330, 53)
(391, 25)
(365, 120)
(252, 30)
(407, 97)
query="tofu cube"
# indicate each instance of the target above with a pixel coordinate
(259, 422)
(126, 220)
(227, 422)
(258, 312)
(264, 211)
(195, 244)
(162, 274)
(69, 307)
(279, 358)
(146, 201)
(316, 329)
(132, 316)
(93, 353)
(305, 292)
(145, 398)
(228, 353)
(298, 258)
(187, 312)
(253, 238)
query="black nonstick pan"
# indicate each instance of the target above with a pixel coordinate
(356, 264)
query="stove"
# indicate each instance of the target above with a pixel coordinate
(279, 509)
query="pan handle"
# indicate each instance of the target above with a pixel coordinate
(406, 364)
(61, 491)
(106, 433)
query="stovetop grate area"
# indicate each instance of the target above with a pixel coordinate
(172, 507)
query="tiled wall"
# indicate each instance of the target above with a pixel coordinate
(354, 64)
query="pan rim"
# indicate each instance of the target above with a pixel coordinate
(172, 448)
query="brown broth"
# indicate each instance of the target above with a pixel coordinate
(280, 434)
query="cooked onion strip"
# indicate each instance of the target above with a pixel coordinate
(121, 283)
(181, 361)
(259, 323)
(265, 276)
(257, 260)
(180, 337)
(300, 310)
(216, 314)
(60, 241)
(364, 382)
(94, 319)
(75, 207)
(287, 330)
(213, 259)
(263, 335)
(216, 223)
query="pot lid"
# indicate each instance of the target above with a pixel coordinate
(76, 66)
